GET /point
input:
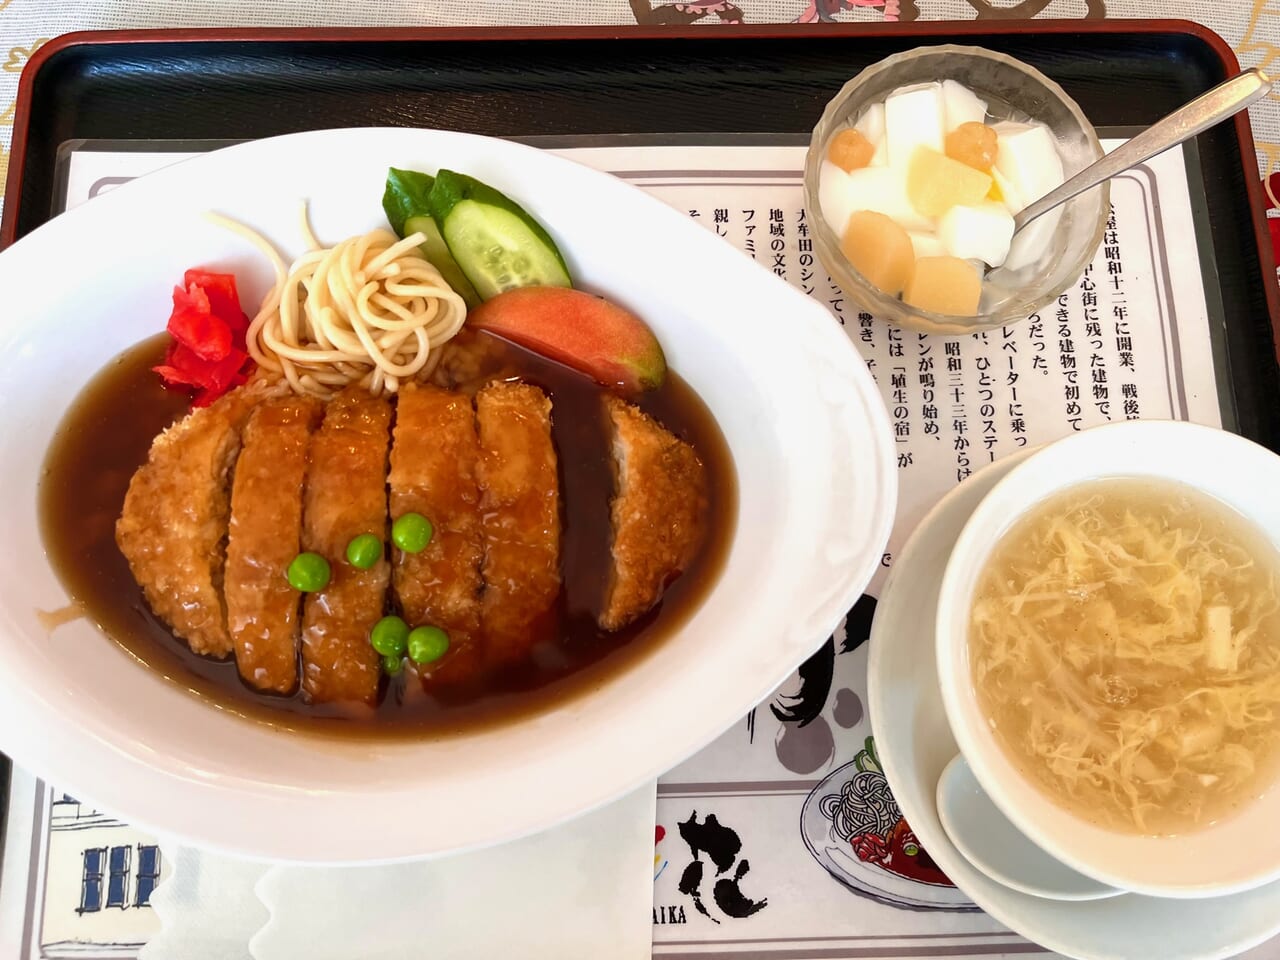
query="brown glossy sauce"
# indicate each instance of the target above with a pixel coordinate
(105, 435)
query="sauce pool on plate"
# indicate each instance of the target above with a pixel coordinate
(109, 429)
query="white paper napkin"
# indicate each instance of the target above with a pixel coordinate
(207, 907)
(581, 890)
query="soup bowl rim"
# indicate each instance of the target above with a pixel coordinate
(1181, 865)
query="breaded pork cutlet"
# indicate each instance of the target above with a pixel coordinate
(345, 496)
(433, 473)
(658, 512)
(265, 533)
(175, 518)
(520, 511)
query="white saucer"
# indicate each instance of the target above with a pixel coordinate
(988, 840)
(915, 744)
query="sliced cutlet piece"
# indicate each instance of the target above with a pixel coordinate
(265, 533)
(520, 512)
(433, 472)
(175, 520)
(345, 496)
(658, 514)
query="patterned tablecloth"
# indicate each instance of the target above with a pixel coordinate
(815, 747)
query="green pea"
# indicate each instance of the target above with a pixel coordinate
(308, 572)
(390, 636)
(411, 532)
(364, 551)
(427, 644)
(392, 665)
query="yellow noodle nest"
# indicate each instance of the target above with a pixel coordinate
(369, 310)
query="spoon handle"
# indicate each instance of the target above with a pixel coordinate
(1200, 114)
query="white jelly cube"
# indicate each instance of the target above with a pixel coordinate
(871, 126)
(914, 117)
(881, 157)
(961, 105)
(871, 123)
(926, 244)
(980, 232)
(834, 196)
(1028, 159)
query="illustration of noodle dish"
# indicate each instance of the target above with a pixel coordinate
(853, 827)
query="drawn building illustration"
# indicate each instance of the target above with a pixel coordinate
(99, 876)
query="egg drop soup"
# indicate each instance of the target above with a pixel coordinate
(1124, 643)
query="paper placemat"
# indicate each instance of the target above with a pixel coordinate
(751, 858)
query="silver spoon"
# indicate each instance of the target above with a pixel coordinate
(1223, 101)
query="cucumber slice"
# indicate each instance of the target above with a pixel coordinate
(437, 253)
(405, 203)
(406, 196)
(495, 242)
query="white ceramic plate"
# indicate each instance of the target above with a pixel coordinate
(807, 430)
(915, 743)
